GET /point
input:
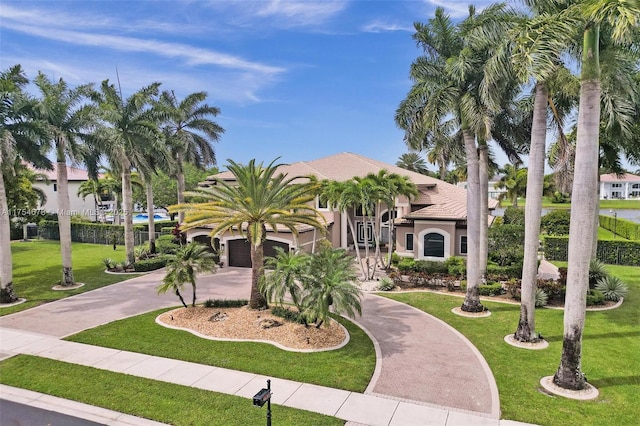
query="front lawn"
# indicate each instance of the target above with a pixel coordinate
(163, 402)
(350, 367)
(37, 267)
(611, 357)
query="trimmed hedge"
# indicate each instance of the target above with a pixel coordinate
(96, 233)
(224, 303)
(623, 227)
(612, 252)
(494, 289)
(150, 264)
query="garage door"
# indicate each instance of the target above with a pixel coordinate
(240, 251)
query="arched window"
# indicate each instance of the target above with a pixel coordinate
(433, 245)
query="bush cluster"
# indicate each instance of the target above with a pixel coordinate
(492, 289)
(224, 303)
(150, 264)
(288, 315)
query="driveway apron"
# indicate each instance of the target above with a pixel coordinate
(424, 359)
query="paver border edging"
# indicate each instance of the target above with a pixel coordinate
(493, 386)
(376, 347)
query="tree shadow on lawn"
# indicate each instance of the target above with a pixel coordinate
(615, 381)
(612, 335)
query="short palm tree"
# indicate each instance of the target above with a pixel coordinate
(329, 284)
(285, 270)
(515, 183)
(184, 266)
(259, 200)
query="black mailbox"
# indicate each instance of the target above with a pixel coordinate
(261, 397)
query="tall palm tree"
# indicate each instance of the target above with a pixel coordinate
(257, 199)
(624, 18)
(128, 132)
(412, 161)
(190, 132)
(20, 138)
(67, 120)
(184, 266)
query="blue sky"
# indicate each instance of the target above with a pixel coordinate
(295, 79)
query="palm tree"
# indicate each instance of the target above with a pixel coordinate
(286, 269)
(20, 138)
(190, 132)
(515, 182)
(329, 285)
(259, 198)
(412, 161)
(128, 133)
(66, 119)
(624, 18)
(184, 266)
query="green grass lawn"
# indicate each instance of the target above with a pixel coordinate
(603, 204)
(611, 357)
(37, 267)
(350, 367)
(163, 402)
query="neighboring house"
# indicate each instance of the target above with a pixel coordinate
(75, 177)
(622, 187)
(431, 226)
(494, 192)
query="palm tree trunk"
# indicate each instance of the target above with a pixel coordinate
(526, 331)
(584, 194)
(181, 186)
(180, 297)
(7, 294)
(357, 248)
(472, 298)
(151, 220)
(483, 171)
(257, 300)
(193, 286)
(127, 207)
(64, 222)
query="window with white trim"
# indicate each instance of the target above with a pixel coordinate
(408, 242)
(433, 245)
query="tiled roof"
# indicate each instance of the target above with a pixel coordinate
(73, 173)
(443, 200)
(612, 177)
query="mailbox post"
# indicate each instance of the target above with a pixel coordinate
(262, 397)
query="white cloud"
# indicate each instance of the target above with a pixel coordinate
(458, 8)
(193, 55)
(380, 27)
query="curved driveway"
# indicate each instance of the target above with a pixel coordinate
(420, 358)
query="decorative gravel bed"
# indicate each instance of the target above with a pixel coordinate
(247, 324)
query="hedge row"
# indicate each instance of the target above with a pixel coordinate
(625, 228)
(96, 233)
(609, 251)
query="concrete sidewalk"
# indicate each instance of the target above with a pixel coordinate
(353, 407)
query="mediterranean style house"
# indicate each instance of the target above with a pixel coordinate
(619, 187)
(79, 206)
(430, 226)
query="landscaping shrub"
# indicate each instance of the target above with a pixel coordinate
(150, 264)
(541, 298)
(513, 288)
(430, 266)
(506, 244)
(556, 222)
(108, 263)
(625, 228)
(612, 288)
(386, 284)
(597, 272)
(224, 303)
(513, 216)
(503, 273)
(493, 289)
(406, 265)
(395, 259)
(456, 266)
(555, 290)
(595, 297)
(166, 244)
(288, 315)
(612, 252)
